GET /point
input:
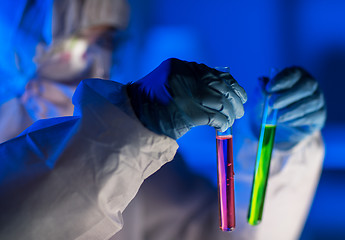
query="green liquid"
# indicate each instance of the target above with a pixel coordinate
(262, 167)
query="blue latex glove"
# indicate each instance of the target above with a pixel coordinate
(179, 95)
(301, 105)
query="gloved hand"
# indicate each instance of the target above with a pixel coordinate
(179, 95)
(302, 111)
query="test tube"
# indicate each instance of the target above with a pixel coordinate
(225, 170)
(225, 173)
(262, 164)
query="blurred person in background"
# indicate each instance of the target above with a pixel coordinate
(82, 41)
(74, 176)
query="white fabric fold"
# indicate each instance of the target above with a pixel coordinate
(72, 177)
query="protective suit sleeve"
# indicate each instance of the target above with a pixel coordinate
(72, 177)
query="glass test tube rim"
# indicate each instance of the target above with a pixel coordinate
(226, 133)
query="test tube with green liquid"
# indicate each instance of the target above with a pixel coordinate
(262, 164)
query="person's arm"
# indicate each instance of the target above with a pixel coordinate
(72, 177)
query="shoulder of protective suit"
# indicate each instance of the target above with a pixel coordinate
(97, 91)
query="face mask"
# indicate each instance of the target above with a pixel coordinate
(65, 61)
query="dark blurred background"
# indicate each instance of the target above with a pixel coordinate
(250, 37)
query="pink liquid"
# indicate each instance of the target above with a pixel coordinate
(226, 191)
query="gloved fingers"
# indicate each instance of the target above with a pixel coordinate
(229, 101)
(302, 107)
(239, 91)
(304, 88)
(220, 121)
(226, 84)
(229, 107)
(201, 115)
(284, 79)
(232, 99)
(317, 118)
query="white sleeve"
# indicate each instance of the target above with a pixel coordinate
(292, 183)
(72, 177)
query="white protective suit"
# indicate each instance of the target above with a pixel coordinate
(72, 177)
(62, 65)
